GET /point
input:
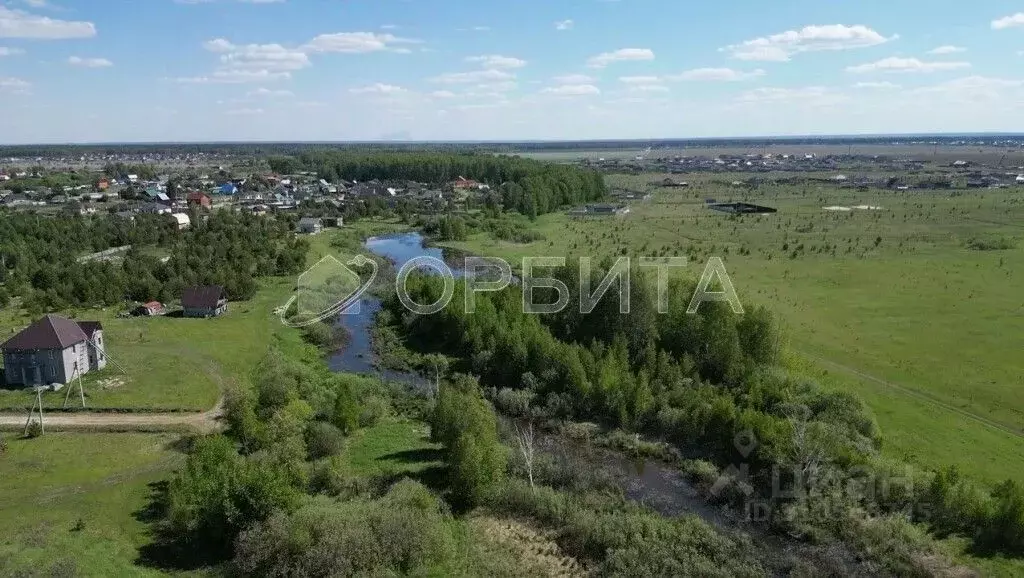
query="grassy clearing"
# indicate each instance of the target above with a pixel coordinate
(394, 448)
(897, 294)
(70, 503)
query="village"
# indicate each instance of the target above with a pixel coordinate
(176, 195)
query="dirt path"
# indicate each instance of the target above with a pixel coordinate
(917, 395)
(207, 421)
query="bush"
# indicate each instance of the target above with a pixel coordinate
(514, 402)
(376, 408)
(3, 445)
(346, 410)
(622, 539)
(319, 334)
(405, 532)
(35, 429)
(323, 440)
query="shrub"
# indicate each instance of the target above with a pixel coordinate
(404, 532)
(323, 440)
(3, 445)
(319, 334)
(35, 429)
(346, 410)
(514, 402)
(376, 408)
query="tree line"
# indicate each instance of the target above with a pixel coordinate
(530, 187)
(40, 257)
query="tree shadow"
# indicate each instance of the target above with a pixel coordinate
(167, 551)
(423, 455)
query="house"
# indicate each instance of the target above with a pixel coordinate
(205, 301)
(16, 200)
(199, 199)
(310, 225)
(600, 210)
(133, 178)
(182, 220)
(149, 309)
(53, 350)
(227, 189)
(464, 184)
(1020, 180)
(154, 208)
(738, 208)
(669, 182)
(102, 185)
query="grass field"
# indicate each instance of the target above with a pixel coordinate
(70, 504)
(395, 448)
(168, 363)
(889, 303)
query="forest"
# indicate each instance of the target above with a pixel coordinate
(42, 265)
(530, 187)
(697, 382)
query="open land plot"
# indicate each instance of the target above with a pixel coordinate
(1010, 157)
(169, 363)
(891, 303)
(72, 504)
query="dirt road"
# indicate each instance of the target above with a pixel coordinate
(207, 421)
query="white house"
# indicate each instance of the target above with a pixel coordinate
(182, 220)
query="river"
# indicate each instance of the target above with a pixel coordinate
(658, 485)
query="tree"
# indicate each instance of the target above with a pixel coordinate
(524, 439)
(346, 410)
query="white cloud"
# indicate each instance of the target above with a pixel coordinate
(1014, 21)
(234, 77)
(972, 87)
(717, 75)
(574, 79)
(639, 79)
(269, 93)
(358, 43)
(14, 85)
(877, 85)
(781, 47)
(572, 90)
(621, 55)
(947, 49)
(896, 64)
(389, 27)
(378, 88)
(648, 88)
(497, 61)
(244, 111)
(476, 76)
(564, 25)
(443, 94)
(5, 51)
(781, 95)
(89, 62)
(21, 24)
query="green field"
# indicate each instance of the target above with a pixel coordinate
(889, 303)
(169, 363)
(70, 504)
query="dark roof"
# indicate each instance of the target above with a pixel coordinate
(202, 297)
(50, 332)
(90, 327)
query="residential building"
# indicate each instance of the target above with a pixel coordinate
(54, 349)
(208, 301)
(310, 225)
(181, 220)
(199, 199)
(150, 309)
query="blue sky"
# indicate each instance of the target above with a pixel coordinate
(199, 70)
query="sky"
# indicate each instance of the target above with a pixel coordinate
(427, 70)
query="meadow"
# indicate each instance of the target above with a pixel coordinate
(74, 504)
(915, 306)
